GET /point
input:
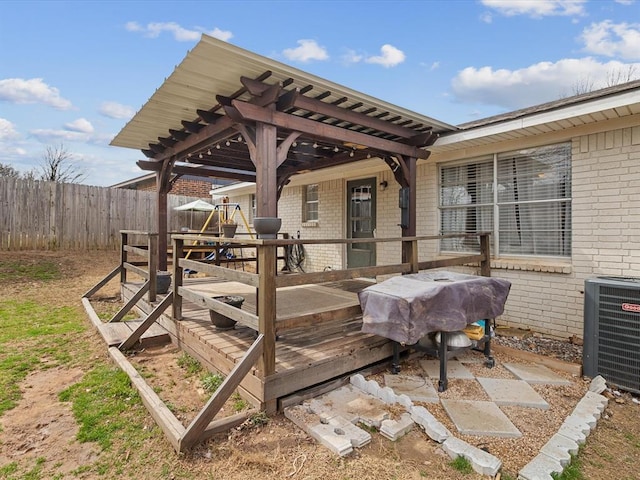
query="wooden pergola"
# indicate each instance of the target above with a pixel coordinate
(231, 114)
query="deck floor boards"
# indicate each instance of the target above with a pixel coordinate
(304, 355)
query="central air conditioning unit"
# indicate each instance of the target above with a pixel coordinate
(612, 331)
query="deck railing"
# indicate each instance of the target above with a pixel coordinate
(267, 279)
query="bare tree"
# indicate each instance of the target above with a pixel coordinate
(619, 76)
(583, 85)
(8, 171)
(57, 166)
(614, 77)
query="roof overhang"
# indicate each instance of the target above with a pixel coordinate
(610, 104)
(194, 116)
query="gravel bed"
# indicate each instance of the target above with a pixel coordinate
(535, 343)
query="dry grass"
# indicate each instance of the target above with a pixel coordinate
(279, 450)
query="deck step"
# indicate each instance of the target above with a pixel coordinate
(117, 332)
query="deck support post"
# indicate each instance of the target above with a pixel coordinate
(485, 250)
(267, 307)
(178, 253)
(153, 266)
(124, 240)
(405, 173)
(193, 433)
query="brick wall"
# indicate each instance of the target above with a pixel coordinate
(191, 188)
(606, 236)
(546, 295)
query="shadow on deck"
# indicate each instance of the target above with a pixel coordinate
(306, 357)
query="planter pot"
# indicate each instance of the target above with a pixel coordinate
(163, 282)
(229, 229)
(222, 322)
(267, 227)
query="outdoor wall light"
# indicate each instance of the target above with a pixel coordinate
(383, 185)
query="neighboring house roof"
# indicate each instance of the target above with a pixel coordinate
(135, 181)
(608, 103)
(151, 177)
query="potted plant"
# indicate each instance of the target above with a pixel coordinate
(229, 227)
(163, 281)
(220, 321)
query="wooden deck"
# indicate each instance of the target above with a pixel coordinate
(307, 356)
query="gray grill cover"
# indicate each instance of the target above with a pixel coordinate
(408, 307)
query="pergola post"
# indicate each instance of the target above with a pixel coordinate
(162, 189)
(266, 163)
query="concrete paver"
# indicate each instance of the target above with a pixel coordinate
(480, 418)
(535, 374)
(394, 429)
(418, 389)
(331, 418)
(352, 404)
(506, 392)
(455, 369)
(482, 462)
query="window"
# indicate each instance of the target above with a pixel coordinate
(252, 207)
(310, 206)
(522, 197)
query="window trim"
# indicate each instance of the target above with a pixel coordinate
(496, 204)
(306, 202)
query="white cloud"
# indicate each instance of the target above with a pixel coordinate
(49, 135)
(7, 130)
(537, 8)
(538, 83)
(52, 135)
(116, 110)
(613, 39)
(486, 17)
(306, 51)
(434, 66)
(390, 56)
(181, 34)
(34, 90)
(351, 56)
(625, 2)
(81, 125)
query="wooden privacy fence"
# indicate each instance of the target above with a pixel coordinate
(47, 215)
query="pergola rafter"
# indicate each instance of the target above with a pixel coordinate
(235, 115)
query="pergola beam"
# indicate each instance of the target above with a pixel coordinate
(292, 122)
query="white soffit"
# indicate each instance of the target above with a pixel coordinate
(214, 67)
(595, 110)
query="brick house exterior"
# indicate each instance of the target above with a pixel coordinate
(547, 292)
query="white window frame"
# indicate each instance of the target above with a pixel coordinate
(310, 207)
(562, 203)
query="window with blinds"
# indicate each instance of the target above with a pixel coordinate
(310, 205)
(522, 197)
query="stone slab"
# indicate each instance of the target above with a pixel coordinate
(394, 429)
(418, 389)
(472, 357)
(535, 374)
(455, 369)
(430, 424)
(540, 468)
(512, 393)
(480, 418)
(352, 404)
(482, 462)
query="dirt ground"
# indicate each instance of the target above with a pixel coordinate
(43, 427)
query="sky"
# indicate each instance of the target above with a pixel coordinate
(73, 73)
